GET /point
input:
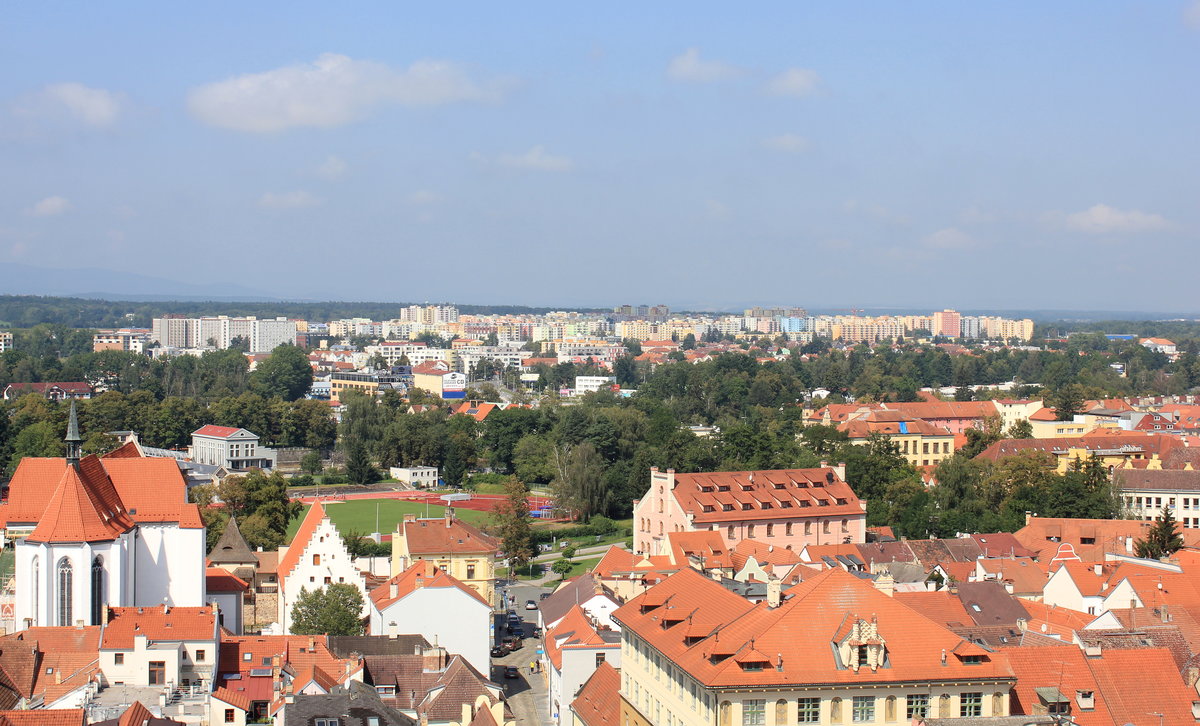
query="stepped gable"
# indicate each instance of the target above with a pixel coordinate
(232, 547)
(291, 557)
(422, 574)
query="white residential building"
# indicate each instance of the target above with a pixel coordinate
(425, 600)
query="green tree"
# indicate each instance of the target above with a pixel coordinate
(1067, 401)
(331, 610)
(359, 469)
(510, 520)
(286, 373)
(562, 567)
(1020, 429)
(311, 463)
(1162, 540)
(39, 439)
(579, 480)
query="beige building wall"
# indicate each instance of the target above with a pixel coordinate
(655, 692)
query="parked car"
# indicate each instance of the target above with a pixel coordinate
(511, 672)
(531, 604)
(518, 632)
(499, 651)
(543, 596)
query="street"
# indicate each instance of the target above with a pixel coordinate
(527, 695)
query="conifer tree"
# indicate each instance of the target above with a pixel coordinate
(1163, 538)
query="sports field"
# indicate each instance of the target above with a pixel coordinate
(359, 515)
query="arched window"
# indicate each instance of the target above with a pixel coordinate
(781, 711)
(726, 713)
(37, 585)
(97, 589)
(66, 581)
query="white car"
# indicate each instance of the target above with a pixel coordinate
(530, 605)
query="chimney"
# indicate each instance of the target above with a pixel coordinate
(1098, 568)
(312, 644)
(166, 609)
(394, 590)
(434, 659)
(420, 582)
(774, 592)
(943, 656)
(886, 584)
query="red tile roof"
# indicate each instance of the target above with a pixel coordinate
(764, 495)
(220, 432)
(290, 557)
(422, 574)
(599, 700)
(66, 658)
(445, 534)
(83, 508)
(160, 623)
(44, 717)
(233, 698)
(145, 489)
(724, 629)
(218, 579)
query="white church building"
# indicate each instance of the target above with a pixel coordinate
(92, 532)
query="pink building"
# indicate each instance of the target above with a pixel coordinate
(788, 508)
(947, 323)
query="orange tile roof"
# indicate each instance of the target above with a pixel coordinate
(1063, 668)
(1121, 676)
(82, 510)
(1045, 535)
(159, 623)
(764, 495)
(44, 717)
(233, 698)
(573, 630)
(599, 700)
(796, 635)
(218, 579)
(291, 556)
(422, 574)
(64, 652)
(706, 545)
(445, 534)
(127, 450)
(145, 489)
(220, 432)
(940, 607)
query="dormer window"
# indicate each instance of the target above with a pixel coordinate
(726, 507)
(746, 506)
(780, 486)
(708, 507)
(723, 488)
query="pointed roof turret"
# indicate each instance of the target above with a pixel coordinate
(73, 440)
(232, 548)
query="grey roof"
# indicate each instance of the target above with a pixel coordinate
(353, 705)
(343, 645)
(573, 592)
(232, 548)
(988, 603)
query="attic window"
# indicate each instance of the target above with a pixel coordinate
(766, 505)
(754, 666)
(802, 484)
(726, 507)
(841, 501)
(972, 660)
(804, 504)
(781, 486)
(723, 488)
(708, 507)
(785, 504)
(747, 487)
(1087, 540)
(247, 657)
(747, 506)
(706, 489)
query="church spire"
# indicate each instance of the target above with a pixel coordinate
(73, 440)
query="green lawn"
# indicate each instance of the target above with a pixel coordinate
(578, 567)
(359, 515)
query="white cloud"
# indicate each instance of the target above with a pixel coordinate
(94, 106)
(1191, 15)
(333, 168)
(691, 68)
(50, 207)
(1103, 219)
(950, 238)
(536, 159)
(797, 82)
(331, 91)
(70, 103)
(423, 198)
(717, 210)
(287, 200)
(787, 143)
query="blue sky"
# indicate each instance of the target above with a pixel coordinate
(984, 154)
